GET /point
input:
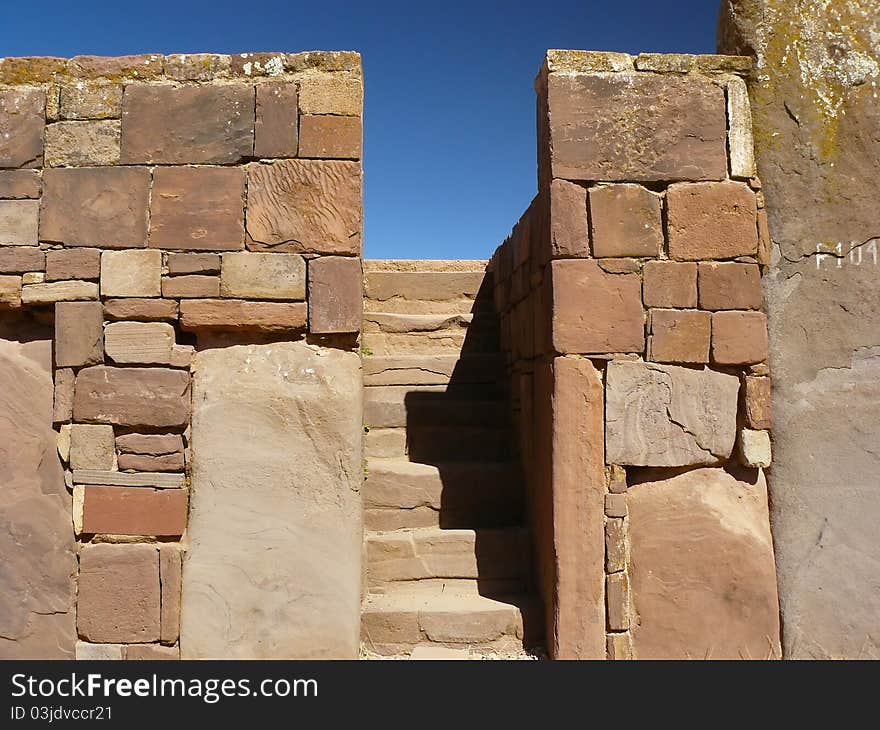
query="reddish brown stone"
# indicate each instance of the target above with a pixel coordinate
(22, 119)
(190, 287)
(155, 397)
(142, 66)
(95, 206)
(330, 137)
(239, 314)
(569, 236)
(152, 652)
(19, 184)
(608, 320)
(739, 338)
(193, 263)
(187, 124)
(169, 578)
(713, 220)
(758, 403)
(140, 309)
(305, 206)
(78, 263)
(275, 131)
(118, 599)
(617, 600)
(134, 511)
(678, 336)
(138, 462)
(670, 284)
(19, 259)
(79, 334)
(335, 294)
(150, 444)
(625, 220)
(728, 285)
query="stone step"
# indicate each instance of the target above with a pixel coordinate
(402, 494)
(396, 622)
(434, 553)
(434, 445)
(427, 285)
(433, 369)
(418, 306)
(395, 406)
(442, 342)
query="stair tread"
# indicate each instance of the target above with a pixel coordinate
(445, 601)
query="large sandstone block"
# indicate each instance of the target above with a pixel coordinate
(82, 144)
(636, 127)
(19, 184)
(79, 334)
(134, 511)
(305, 206)
(569, 232)
(263, 276)
(18, 222)
(703, 578)
(20, 259)
(37, 573)
(336, 300)
(276, 128)
(625, 220)
(330, 136)
(131, 273)
(235, 314)
(664, 415)
(22, 118)
(273, 568)
(147, 343)
(187, 124)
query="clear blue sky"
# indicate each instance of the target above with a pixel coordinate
(450, 110)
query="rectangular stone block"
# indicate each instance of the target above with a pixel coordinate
(239, 314)
(625, 220)
(118, 599)
(122, 479)
(335, 294)
(193, 263)
(739, 122)
(615, 505)
(140, 309)
(329, 136)
(758, 402)
(729, 285)
(739, 338)
(133, 67)
(152, 444)
(670, 284)
(99, 652)
(92, 446)
(134, 511)
(754, 448)
(96, 100)
(63, 400)
(103, 207)
(155, 397)
(83, 144)
(679, 336)
(10, 291)
(569, 233)
(131, 273)
(331, 93)
(20, 184)
(617, 599)
(619, 647)
(170, 581)
(58, 291)
(138, 462)
(187, 124)
(198, 208)
(19, 259)
(615, 546)
(677, 125)
(276, 132)
(191, 287)
(22, 119)
(77, 263)
(19, 222)
(152, 652)
(263, 276)
(79, 334)
(145, 343)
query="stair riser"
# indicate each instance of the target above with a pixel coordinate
(439, 370)
(436, 445)
(444, 342)
(435, 286)
(415, 408)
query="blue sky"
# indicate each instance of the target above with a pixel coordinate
(449, 133)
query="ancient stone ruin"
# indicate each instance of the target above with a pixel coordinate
(223, 434)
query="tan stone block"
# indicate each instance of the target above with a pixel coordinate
(59, 291)
(118, 597)
(679, 336)
(182, 356)
(615, 505)
(193, 263)
(21, 259)
(754, 448)
(140, 309)
(79, 334)
(331, 93)
(19, 184)
(335, 294)
(33, 277)
(276, 131)
(617, 600)
(19, 222)
(105, 478)
(95, 652)
(739, 130)
(328, 136)
(619, 647)
(64, 442)
(226, 314)
(569, 233)
(729, 285)
(625, 220)
(263, 276)
(758, 402)
(169, 578)
(131, 273)
(83, 144)
(711, 220)
(10, 291)
(22, 118)
(191, 287)
(616, 479)
(670, 284)
(134, 511)
(739, 338)
(134, 67)
(91, 101)
(197, 66)
(615, 546)
(147, 343)
(92, 446)
(198, 208)
(63, 400)
(76, 263)
(152, 652)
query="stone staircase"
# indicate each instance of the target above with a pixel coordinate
(447, 559)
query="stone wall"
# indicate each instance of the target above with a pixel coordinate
(630, 295)
(177, 216)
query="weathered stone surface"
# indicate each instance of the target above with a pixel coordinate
(758, 404)
(131, 273)
(678, 336)
(19, 184)
(331, 93)
(617, 601)
(140, 309)
(754, 448)
(99, 652)
(102, 206)
(615, 546)
(37, 586)
(118, 599)
(728, 285)
(739, 135)
(134, 511)
(692, 62)
(569, 233)
(18, 222)
(151, 444)
(152, 652)
(739, 338)
(22, 120)
(63, 402)
(191, 287)
(138, 462)
(147, 343)
(10, 291)
(77, 263)
(169, 578)
(79, 334)
(619, 647)
(625, 220)
(263, 276)
(92, 446)
(335, 294)
(197, 66)
(329, 136)
(198, 208)
(132, 396)
(305, 206)
(276, 128)
(193, 263)
(232, 314)
(665, 128)
(58, 291)
(139, 66)
(293, 492)
(82, 144)
(610, 320)
(702, 570)
(715, 220)
(19, 259)
(663, 415)
(615, 505)
(187, 124)
(91, 101)
(819, 176)
(120, 479)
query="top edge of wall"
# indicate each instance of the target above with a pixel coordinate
(569, 61)
(436, 265)
(175, 67)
